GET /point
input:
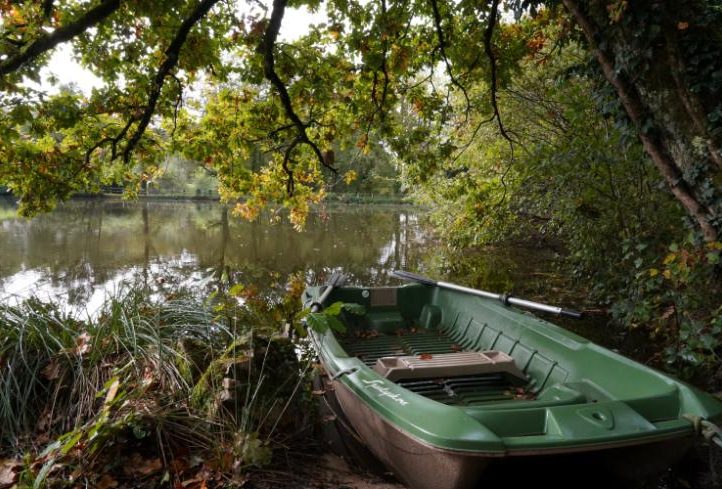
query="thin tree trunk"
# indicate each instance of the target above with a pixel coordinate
(691, 103)
(648, 134)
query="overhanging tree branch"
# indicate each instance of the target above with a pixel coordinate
(488, 49)
(442, 49)
(60, 35)
(172, 54)
(266, 49)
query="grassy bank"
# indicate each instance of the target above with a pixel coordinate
(148, 394)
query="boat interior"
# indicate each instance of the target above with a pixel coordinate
(459, 380)
(550, 367)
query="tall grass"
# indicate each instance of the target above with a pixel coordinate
(166, 378)
(53, 366)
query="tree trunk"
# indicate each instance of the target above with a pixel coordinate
(648, 132)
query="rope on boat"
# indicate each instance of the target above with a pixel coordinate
(706, 428)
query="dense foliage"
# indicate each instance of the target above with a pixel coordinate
(580, 182)
(361, 78)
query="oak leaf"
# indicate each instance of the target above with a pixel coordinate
(8, 472)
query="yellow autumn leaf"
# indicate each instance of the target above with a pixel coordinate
(350, 177)
(667, 274)
(669, 258)
(247, 210)
(653, 272)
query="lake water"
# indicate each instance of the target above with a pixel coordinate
(86, 249)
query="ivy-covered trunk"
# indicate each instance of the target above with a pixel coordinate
(662, 59)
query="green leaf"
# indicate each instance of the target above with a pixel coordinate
(318, 322)
(354, 308)
(334, 309)
(300, 330)
(236, 290)
(68, 445)
(336, 325)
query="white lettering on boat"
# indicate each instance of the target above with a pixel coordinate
(384, 391)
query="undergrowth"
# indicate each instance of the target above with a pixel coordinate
(154, 394)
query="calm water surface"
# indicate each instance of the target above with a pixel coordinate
(88, 248)
(85, 249)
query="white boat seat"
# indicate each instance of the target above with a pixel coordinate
(446, 365)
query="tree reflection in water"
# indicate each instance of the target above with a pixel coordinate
(87, 248)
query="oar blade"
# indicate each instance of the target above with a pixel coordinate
(412, 277)
(337, 279)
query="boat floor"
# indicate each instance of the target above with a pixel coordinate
(468, 390)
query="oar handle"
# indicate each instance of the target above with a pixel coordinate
(571, 314)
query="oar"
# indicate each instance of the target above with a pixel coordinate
(336, 280)
(504, 298)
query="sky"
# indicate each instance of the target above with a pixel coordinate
(67, 71)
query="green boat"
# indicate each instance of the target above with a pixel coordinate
(439, 384)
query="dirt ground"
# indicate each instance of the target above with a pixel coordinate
(327, 471)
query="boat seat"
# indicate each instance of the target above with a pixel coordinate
(446, 365)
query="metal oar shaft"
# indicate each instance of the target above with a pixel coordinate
(514, 301)
(336, 280)
(505, 299)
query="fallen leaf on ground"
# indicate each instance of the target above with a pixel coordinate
(82, 343)
(138, 466)
(178, 465)
(107, 482)
(8, 472)
(51, 370)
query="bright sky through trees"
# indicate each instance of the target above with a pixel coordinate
(67, 71)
